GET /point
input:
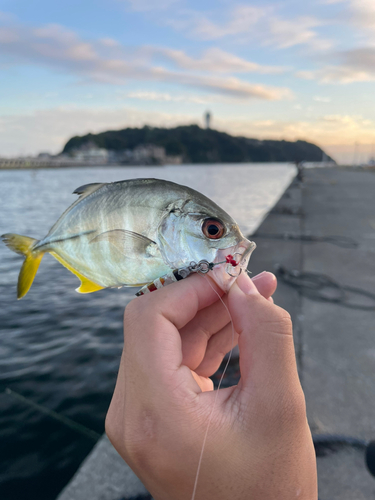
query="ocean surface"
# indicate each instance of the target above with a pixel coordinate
(61, 349)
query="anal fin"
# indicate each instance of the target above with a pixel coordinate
(87, 286)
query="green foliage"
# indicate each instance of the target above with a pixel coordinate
(198, 145)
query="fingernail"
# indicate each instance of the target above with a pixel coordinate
(259, 275)
(246, 285)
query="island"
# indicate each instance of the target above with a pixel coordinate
(187, 144)
(170, 146)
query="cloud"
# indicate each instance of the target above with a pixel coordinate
(298, 31)
(230, 86)
(249, 23)
(361, 13)
(8, 36)
(356, 65)
(306, 75)
(109, 42)
(7, 17)
(165, 97)
(242, 19)
(150, 5)
(344, 75)
(213, 60)
(322, 99)
(353, 121)
(145, 95)
(55, 46)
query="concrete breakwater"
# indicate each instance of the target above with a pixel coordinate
(20, 163)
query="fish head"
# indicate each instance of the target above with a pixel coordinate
(196, 230)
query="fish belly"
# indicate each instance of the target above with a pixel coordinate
(105, 265)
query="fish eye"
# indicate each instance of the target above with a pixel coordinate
(213, 229)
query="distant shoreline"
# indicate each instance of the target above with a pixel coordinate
(62, 165)
(30, 165)
(49, 166)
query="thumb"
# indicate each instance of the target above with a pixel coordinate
(267, 356)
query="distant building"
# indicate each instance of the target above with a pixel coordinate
(149, 154)
(173, 160)
(207, 119)
(89, 152)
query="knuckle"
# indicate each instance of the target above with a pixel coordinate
(281, 321)
(136, 451)
(283, 315)
(114, 431)
(132, 445)
(292, 409)
(285, 322)
(109, 427)
(205, 332)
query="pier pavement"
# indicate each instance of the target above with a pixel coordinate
(335, 343)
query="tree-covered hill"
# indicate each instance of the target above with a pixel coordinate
(197, 145)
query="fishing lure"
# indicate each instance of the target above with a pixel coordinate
(202, 267)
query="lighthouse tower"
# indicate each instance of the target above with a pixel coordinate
(207, 119)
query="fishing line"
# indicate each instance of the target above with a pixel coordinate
(75, 426)
(217, 392)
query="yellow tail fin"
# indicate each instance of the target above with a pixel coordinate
(23, 245)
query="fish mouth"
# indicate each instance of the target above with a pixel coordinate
(230, 262)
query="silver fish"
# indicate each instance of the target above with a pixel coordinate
(129, 233)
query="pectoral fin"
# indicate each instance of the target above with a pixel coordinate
(87, 286)
(127, 242)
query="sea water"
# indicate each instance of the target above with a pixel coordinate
(61, 349)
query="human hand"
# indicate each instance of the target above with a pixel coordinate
(259, 445)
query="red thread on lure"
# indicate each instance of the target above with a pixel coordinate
(230, 260)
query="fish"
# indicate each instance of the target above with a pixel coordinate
(133, 232)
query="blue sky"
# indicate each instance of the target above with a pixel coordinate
(271, 69)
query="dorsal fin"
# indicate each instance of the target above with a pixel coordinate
(87, 189)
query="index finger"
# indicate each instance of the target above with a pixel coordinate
(152, 322)
(180, 302)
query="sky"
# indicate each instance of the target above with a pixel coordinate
(265, 69)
